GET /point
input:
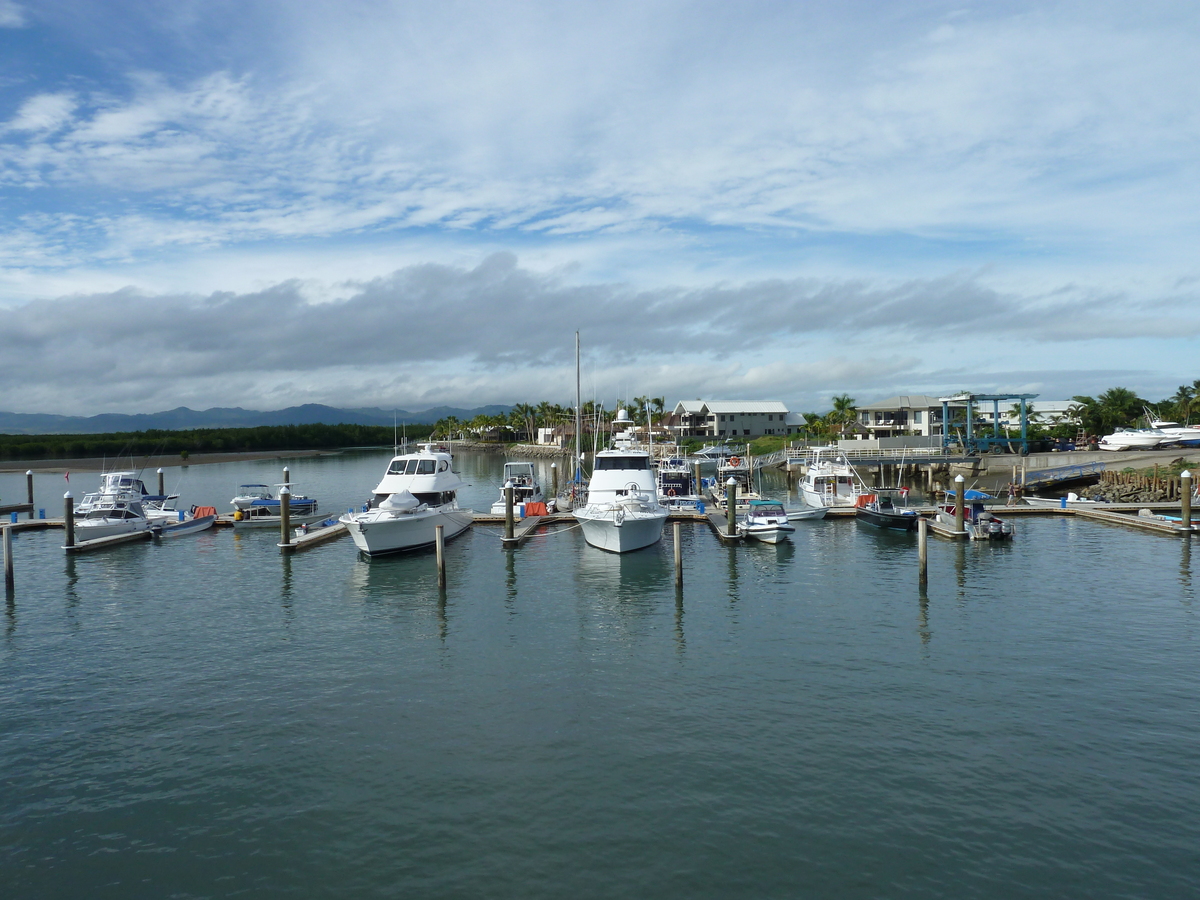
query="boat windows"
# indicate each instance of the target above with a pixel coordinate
(435, 498)
(426, 466)
(622, 462)
(443, 465)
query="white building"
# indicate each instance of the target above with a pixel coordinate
(730, 419)
(915, 414)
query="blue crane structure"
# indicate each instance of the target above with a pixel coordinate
(974, 442)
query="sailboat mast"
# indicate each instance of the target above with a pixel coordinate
(578, 416)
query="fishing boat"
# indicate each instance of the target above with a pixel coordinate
(767, 521)
(623, 512)
(741, 470)
(886, 508)
(112, 514)
(980, 523)
(677, 486)
(830, 480)
(112, 483)
(524, 483)
(418, 492)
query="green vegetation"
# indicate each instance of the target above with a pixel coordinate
(200, 440)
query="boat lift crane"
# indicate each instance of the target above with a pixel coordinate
(973, 442)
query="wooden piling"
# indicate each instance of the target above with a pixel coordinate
(285, 516)
(508, 511)
(696, 477)
(678, 556)
(69, 518)
(960, 501)
(1185, 499)
(731, 507)
(440, 543)
(29, 489)
(162, 490)
(554, 479)
(10, 583)
(923, 549)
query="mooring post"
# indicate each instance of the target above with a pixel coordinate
(440, 543)
(960, 500)
(287, 477)
(161, 484)
(923, 549)
(508, 511)
(285, 515)
(678, 558)
(731, 506)
(9, 583)
(696, 478)
(69, 518)
(29, 489)
(554, 479)
(1185, 498)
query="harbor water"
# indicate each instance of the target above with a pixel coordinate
(203, 717)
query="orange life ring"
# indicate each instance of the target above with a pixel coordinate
(671, 492)
(735, 461)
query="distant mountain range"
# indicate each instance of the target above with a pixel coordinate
(223, 417)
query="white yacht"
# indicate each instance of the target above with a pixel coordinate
(418, 492)
(524, 483)
(1134, 439)
(623, 512)
(830, 480)
(111, 483)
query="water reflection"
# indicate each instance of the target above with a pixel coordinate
(1185, 570)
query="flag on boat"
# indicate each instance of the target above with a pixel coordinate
(67, 475)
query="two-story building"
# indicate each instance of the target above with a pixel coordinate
(914, 414)
(729, 419)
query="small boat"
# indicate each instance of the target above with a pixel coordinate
(258, 500)
(622, 512)
(110, 515)
(715, 452)
(171, 522)
(807, 512)
(880, 508)
(1071, 501)
(767, 521)
(830, 480)
(524, 484)
(980, 523)
(418, 492)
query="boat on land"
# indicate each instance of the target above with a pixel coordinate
(622, 512)
(418, 492)
(767, 521)
(886, 508)
(526, 488)
(831, 481)
(980, 523)
(1183, 435)
(1134, 439)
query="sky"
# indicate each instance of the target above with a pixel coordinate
(397, 204)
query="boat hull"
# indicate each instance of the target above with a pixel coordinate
(381, 535)
(188, 526)
(103, 528)
(769, 534)
(891, 521)
(638, 530)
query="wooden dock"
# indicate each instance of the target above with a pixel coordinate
(18, 508)
(1146, 523)
(312, 538)
(106, 542)
(719, 523)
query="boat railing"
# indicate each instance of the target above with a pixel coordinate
(1042, 477)
(809, 454)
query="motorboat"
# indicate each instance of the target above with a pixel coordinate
(110, 515)
(715, 452)
(1183, 435)
(830, 480)
(807, 512)
(418, 492)
(742, 472)
(767, 521)
(524, 484)
(248, 493)
(167, 521)
(623, 512)
(1071, 501)
(677, 486)
(980, 523)
(886, 508)
(1134, 439)
(112, 483)
(259, 500)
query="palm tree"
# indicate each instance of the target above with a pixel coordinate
(843, 413)
(1119, 407)
(1183, 403)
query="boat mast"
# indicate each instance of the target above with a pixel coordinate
(578, 417)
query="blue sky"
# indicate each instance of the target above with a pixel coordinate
(358, 203)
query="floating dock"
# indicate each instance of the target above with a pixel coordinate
(314, 537)
(110, 541)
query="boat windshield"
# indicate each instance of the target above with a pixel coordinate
(767, 509)
(413, 466)
(622, 462)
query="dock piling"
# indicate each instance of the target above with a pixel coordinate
(923, 549)
(440, 543)
(960, 501)
(731, 507)
(1185, 500)
(508, 512)
(287, 477)
(678, 556)
(9, 583)
(696, 477)
(69, 518)
(285, 516)
(161, 484)
(29, 489)
(554, 479)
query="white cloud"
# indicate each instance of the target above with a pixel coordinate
(11, 15)
(43, 112)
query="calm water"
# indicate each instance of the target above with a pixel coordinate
(203, 718)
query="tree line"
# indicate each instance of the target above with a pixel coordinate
(200, 440)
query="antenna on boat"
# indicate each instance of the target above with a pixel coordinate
(578, 417)
(395, 439)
